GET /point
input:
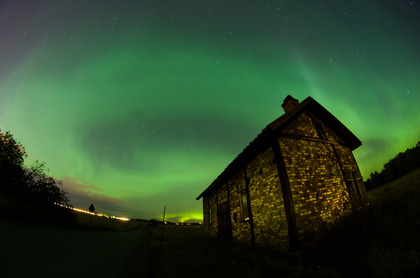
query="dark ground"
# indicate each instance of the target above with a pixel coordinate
(383, 240)
(35, 251)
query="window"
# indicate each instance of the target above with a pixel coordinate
(321, 131)
(244, 207)
(357, 182)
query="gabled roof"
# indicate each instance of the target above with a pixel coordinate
(263, 139)
(309, 104)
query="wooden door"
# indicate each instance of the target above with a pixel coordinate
(223, 220)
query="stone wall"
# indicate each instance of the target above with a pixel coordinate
(210, 214)
(301, 126)
(241, 229)
(266, 203)
(349, 167)
(268, 213)
(319, 192)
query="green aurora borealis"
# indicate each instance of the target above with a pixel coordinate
(138, 104)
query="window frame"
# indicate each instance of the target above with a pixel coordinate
(244, 207)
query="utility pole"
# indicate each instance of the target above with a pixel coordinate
(161, 233)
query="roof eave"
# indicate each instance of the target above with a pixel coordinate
(250, 150)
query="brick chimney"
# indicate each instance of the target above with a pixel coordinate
(289, 104)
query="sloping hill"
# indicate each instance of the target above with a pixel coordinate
(408, 184)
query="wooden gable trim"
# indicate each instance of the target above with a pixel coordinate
(346, 182)
(251, 219)
(307, 138)
(287, 195)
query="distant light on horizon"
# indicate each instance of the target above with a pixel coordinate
(94, 213)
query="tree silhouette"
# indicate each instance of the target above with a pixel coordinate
(400, 165)
(92, 208)
(12, 156)
(42, 187)
(11, 152)
(29, 185)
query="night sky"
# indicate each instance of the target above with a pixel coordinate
(139, 104)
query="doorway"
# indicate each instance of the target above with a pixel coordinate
(223, 220)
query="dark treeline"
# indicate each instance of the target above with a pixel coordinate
(27, 186)
(397, 167)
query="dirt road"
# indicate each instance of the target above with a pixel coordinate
(32, 251)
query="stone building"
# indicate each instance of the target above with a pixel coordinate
(297, 176)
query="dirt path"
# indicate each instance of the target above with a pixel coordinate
(32, 251)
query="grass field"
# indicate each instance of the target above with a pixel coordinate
(383, 240)
(93, 222)
(406, 185)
